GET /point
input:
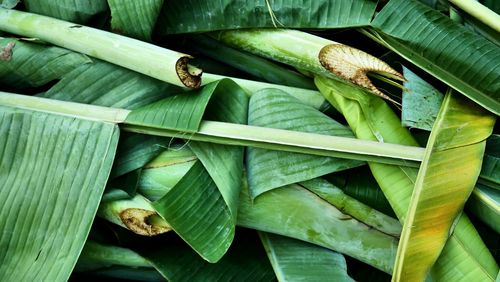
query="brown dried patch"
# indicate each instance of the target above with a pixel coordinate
(190, 76)
(137, 221)
(6, 53)
(353, 65)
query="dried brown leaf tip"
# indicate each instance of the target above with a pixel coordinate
(139, 221)
(353, 65)
(190, 76)
(6, 53)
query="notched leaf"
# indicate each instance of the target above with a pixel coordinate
(6, 53)
(353, 65)
(144, 222)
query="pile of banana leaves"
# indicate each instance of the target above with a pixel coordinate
(231, 140)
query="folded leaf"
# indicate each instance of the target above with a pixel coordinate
(484, 203)
(490, 172)
(272, 169)
(54, 169)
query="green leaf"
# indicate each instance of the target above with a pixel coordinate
(466, 61)
(490, 171)
(54, 169)
(268, 169)
(294, 260)
(9, 4)
(134, 18)
(181, 112)
(421, 102)
(484, 203)
(68, 10)
(464, 250)
(105, 84)
(295, 212)
(136, 150)
(33, 65)
(200, 16)
(445, 180)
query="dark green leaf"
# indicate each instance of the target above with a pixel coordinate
(198, 15)
(69, 10)
(466, 61)
(490, 171)
(134, 18)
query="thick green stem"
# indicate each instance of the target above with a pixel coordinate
(249, 63)
(148, 59)
(235, 134)
(480, 12)
(135, 214)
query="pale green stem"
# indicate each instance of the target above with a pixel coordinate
(480, 12)
(139, 56)
(353, 207)
(235, 134)
(136, 214)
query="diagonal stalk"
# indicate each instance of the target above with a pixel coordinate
(235, 134)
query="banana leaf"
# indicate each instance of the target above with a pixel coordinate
(484, 203)
(372, 119)
(134, 18)
(68, 10)
(268, 169)
(9, 4)
(421, 102)
(445, 180)
(200, 16)
(294, 260)
(34, 65)
(54, 170)
(490, 172)
(466, 61)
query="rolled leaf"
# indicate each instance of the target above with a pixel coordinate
(484, 203)
(294, 260)
(40, 206)
(466, 61)
(444, 182)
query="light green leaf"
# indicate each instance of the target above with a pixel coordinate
(466, 61)
(421, 102)
(69, 10)
(33, 65)
(445, 180)
(46, 214)
(268, 169)
(198, 16)
(464, 250)
(134, 18)
(294, 260)
(295, 212)
(9, 4)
